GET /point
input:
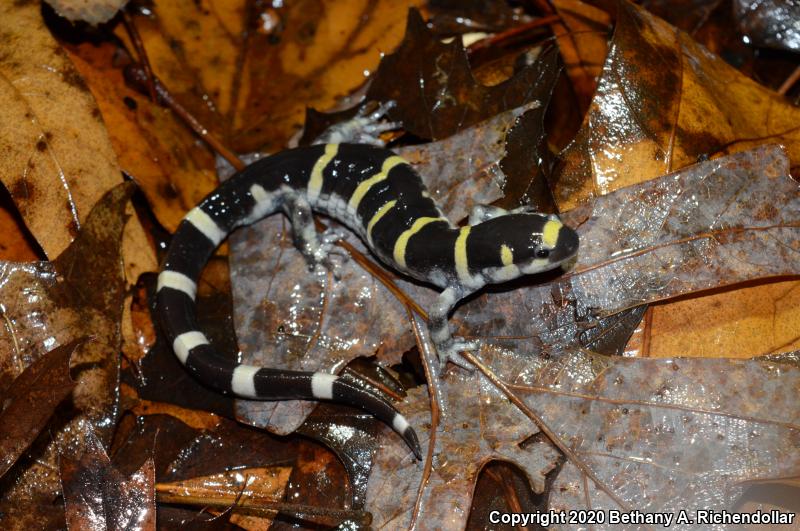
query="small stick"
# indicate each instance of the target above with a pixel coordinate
(137, 76)
(790, 81)
(130, 26)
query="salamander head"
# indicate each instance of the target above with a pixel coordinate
(519, 244)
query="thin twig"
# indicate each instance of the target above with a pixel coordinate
(163, 495)
(141, 53)
(136, 75)
(434, 390)
(789, 82)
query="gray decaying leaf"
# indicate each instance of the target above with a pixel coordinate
(663, 434)
(655, 434)
(713, 224)
(289, 318)
(92, 11)
(658, 434)
(477, 425)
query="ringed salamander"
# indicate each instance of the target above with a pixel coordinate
(379, 196)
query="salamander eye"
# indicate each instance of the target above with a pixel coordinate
(542, 253)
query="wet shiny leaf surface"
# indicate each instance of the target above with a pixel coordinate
(662, 102)
(770, 23)
(446, 97)
(30, 401)
(53, 303)
(98, 497)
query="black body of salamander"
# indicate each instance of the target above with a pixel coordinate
(379, 196)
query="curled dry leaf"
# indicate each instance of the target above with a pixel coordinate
(98, 497)
(321, 324)
(57, 159)
(52, 303)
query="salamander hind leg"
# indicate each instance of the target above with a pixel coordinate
(448, 347)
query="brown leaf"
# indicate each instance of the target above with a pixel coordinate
(254, 90)
(173, 170)
(199, 420)
(583, 45)
(449, 99)
(52, 303)
(351, 435)
(97, 497)
(57, 159)
(749, 321)
(30, 401)
(243, 486)
(17, 244)
(662, 102)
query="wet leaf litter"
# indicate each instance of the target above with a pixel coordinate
(677, 172)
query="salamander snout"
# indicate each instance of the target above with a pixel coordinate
(565, 247)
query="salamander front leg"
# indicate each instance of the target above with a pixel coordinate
(448, 347)
(315, 247)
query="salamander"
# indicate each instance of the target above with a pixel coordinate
(381, 198)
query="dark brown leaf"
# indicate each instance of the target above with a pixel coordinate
(97, 497)
(445, 97)
(53, 303)
(30, 401)
(351, 435)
